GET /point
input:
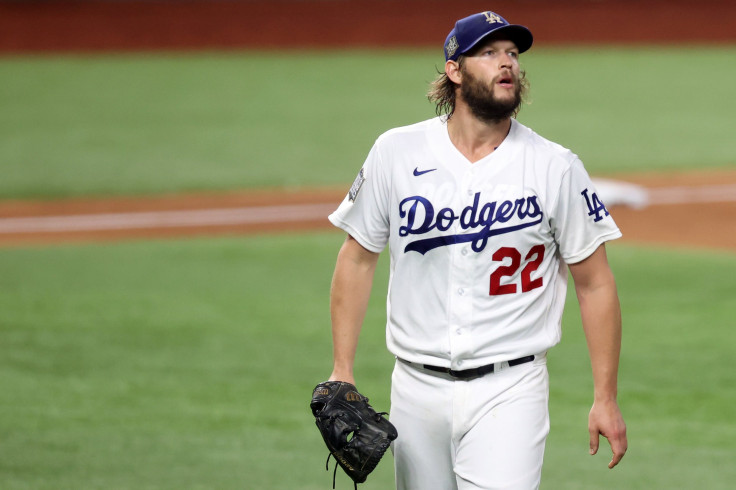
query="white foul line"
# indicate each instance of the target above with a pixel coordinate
(278, 214)
(685, 195)
(166, 219)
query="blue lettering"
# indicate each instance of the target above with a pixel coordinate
(445, 218)
(468, 218)
(532, 207)
(505, 211)
(595, 205)
(486, 214)
(411, 215)
(481, 221)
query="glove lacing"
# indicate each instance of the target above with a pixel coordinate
(334, 473)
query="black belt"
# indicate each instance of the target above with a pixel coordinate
(475, 372)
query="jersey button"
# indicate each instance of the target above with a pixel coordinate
(464, 251)
(461, 291)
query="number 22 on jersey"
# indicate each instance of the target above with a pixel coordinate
(534, 259)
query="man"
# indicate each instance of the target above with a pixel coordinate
(483, 218)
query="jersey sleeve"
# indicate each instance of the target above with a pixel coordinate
(580, 221)
(364, 213)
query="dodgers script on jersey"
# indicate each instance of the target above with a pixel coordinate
(473, 243)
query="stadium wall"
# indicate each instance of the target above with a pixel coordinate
(33, 26)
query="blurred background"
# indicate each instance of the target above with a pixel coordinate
(166, 169)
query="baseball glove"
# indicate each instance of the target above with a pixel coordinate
(356, 436)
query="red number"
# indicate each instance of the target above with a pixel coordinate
(527, 283)
(504, 270)
(535, 258)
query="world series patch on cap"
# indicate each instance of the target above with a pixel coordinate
(470, 30)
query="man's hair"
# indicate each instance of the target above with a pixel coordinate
(442, 91)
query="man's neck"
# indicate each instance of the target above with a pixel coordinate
(474, 138)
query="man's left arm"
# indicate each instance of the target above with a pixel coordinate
(600, 310)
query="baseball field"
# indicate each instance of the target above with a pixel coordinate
(165, 261)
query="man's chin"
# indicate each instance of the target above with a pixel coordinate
(505, 95)
(494, 105)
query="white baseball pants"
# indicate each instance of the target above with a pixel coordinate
(485, 433)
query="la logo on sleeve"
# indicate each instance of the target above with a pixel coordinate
(595, 206)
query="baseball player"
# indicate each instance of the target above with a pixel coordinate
(483, 219)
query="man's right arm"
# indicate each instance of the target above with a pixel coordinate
(349, 294)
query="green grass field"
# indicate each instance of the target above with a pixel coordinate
(133, 124)
(189, 363)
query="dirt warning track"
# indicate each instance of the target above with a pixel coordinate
(125, 25)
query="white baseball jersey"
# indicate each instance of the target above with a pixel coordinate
(478, 250)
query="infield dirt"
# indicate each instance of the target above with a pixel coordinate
(699, 211)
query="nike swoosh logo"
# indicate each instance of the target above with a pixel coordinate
(418, 172)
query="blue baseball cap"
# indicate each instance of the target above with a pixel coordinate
(470, 30)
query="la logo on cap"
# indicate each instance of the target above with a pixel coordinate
(492, 18)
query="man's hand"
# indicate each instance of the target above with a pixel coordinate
(605, 419)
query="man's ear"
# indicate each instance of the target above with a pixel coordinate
(452, 70)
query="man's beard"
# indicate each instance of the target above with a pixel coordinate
(483, 103)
